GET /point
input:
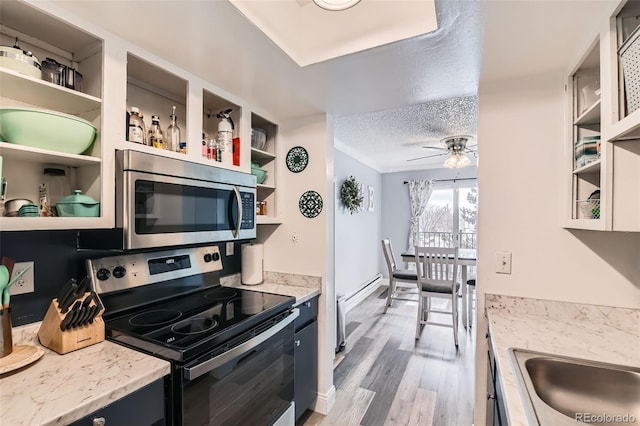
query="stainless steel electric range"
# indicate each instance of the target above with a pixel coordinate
(231, 349)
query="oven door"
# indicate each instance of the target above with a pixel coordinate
(251, 384)
(160, 210)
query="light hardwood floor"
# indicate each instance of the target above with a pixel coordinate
(386, 377)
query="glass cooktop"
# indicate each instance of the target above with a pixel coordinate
(190, 324)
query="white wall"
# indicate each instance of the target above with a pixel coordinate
(396, 208)
(312, 253)
(521, 184)
(357, 253)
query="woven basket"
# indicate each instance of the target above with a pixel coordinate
(630, 54)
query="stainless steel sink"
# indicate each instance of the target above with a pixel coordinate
(560, 390)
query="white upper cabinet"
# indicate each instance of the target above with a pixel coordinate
(264, 158)
(81, 55)
(117, 75)
(603, 131)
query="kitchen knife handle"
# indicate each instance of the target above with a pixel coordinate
(65, 321)
(68, 300)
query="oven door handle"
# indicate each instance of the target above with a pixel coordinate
(192, 373)
(239, 218)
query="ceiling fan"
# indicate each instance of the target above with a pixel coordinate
(457, 150)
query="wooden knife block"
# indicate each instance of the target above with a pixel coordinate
(66, 341)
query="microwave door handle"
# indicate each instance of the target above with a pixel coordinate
(239, 218)
(196, 371)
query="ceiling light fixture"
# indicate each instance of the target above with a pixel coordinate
(457, 161)
(336, 5)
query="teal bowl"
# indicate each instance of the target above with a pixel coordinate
(51, 130)
(261, 175)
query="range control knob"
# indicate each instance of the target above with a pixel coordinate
(216, 256)
(119, 271)
(103, 274)
(207, 257)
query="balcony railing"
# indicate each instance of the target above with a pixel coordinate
(464, 240)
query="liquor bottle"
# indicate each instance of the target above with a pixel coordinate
(136, 127)
(173, 133)
(156, 138)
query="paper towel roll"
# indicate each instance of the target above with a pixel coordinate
(252, 258)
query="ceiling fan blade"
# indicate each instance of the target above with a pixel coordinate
(436, 147)
(428, 156)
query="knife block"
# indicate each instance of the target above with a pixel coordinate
(66, 341)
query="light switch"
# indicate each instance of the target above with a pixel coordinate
(502, 262)
(229, 249)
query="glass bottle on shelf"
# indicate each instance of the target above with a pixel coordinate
(173, 133)
(144, 130)
(212, 149)
(137, 132)
(205, 148)
(156, 138)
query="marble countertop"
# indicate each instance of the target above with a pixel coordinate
(59, 389)
(599, 333)
(302, 287)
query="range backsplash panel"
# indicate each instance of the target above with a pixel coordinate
(56, 259)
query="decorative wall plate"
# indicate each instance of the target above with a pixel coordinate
(310, 204)
(297, 159)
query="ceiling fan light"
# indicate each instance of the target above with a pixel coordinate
(336, 5)
(457, 161)
(451, 162)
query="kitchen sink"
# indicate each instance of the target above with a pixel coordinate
(559, 390)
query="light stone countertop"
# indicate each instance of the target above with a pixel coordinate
(599, 333)
(302, 287)
(59, 389)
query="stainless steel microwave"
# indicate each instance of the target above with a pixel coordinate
(164, 202)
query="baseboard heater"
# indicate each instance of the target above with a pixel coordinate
(352, 300)
(348, 302)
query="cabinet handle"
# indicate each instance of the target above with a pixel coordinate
(297, 342)
(99, 421)
(307, 304)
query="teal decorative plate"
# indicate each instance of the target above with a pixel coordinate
(297, 159)
(310, 204)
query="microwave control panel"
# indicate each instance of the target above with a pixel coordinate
(248, 210)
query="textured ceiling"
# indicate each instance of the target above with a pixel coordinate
(385, 140)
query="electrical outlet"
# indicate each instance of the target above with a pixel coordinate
(502, 262)
(25, 283)
(229, 249)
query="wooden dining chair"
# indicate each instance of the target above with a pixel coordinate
(398, 276)
(437, 269)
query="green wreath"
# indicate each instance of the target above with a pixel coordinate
(351, 195)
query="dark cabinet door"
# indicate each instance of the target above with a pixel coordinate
(144, 407)
(491, 393)
(306, 367)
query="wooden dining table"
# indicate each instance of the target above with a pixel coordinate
(466, 258)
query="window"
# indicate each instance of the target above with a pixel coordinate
(450, 218)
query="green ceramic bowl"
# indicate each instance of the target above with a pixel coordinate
(260, 174)
(46, 129)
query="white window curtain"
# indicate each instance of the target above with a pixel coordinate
(419, 194)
